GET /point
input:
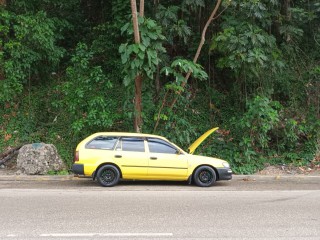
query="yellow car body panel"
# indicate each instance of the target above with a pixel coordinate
(147, 162)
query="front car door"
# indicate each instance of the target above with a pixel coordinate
(166, 162)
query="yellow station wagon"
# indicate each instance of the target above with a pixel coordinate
(111, 156)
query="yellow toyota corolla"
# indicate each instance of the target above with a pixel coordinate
(111, 156)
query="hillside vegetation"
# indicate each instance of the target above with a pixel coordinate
(71, 68)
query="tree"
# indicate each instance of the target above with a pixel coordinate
(195, 59)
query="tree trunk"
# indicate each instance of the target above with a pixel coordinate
(141, 11)
(138, 80)
(135, 21)
(3, 3)
(138, 104)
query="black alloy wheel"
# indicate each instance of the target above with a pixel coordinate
(204, 176)
(108, 175)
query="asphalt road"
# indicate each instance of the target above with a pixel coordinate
(245, 208)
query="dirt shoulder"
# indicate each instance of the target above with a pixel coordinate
(313, 169)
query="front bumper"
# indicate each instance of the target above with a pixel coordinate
(78, 169)
(224, 173)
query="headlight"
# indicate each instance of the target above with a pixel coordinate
(225, 164)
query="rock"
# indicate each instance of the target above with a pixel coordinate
(39, 158)
(2, 166)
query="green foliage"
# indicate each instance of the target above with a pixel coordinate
(23, 55)
(260, 118)
(179, 69)
(251, 135)
(79, 93)
(174, 27)
(143, 58)
(247, 47)
(194, 4)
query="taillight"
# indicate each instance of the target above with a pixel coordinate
(76, 156)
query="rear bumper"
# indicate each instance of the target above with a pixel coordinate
(78, 169)
(224, 173)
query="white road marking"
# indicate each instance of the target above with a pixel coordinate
(11, 235)
(106, 235)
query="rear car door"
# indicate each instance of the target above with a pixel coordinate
(130, 155)
(165, 161)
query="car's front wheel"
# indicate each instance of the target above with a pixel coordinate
(108, 176)
(204, 176)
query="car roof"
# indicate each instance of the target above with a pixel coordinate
(127, 134)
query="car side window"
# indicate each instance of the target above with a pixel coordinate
(160, 146)
(132, 144)
(102, 142)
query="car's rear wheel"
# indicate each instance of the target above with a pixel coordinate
(204, 176)
(108, 176)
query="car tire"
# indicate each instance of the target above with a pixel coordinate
(108, 176)
(204, 176)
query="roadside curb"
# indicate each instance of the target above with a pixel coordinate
(246, 178)
(37, 177)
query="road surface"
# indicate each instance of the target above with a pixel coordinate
(71, 209)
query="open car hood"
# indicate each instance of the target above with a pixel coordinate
(194, 145)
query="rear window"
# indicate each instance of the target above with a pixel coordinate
(102, 142)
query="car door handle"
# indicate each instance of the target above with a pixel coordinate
(153, 158)
(117, 156)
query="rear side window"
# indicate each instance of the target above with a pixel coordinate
(132, 144)
(160, 146)
(102, 142)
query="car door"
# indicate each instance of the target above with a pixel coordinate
(130, 155)
(166, 162)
